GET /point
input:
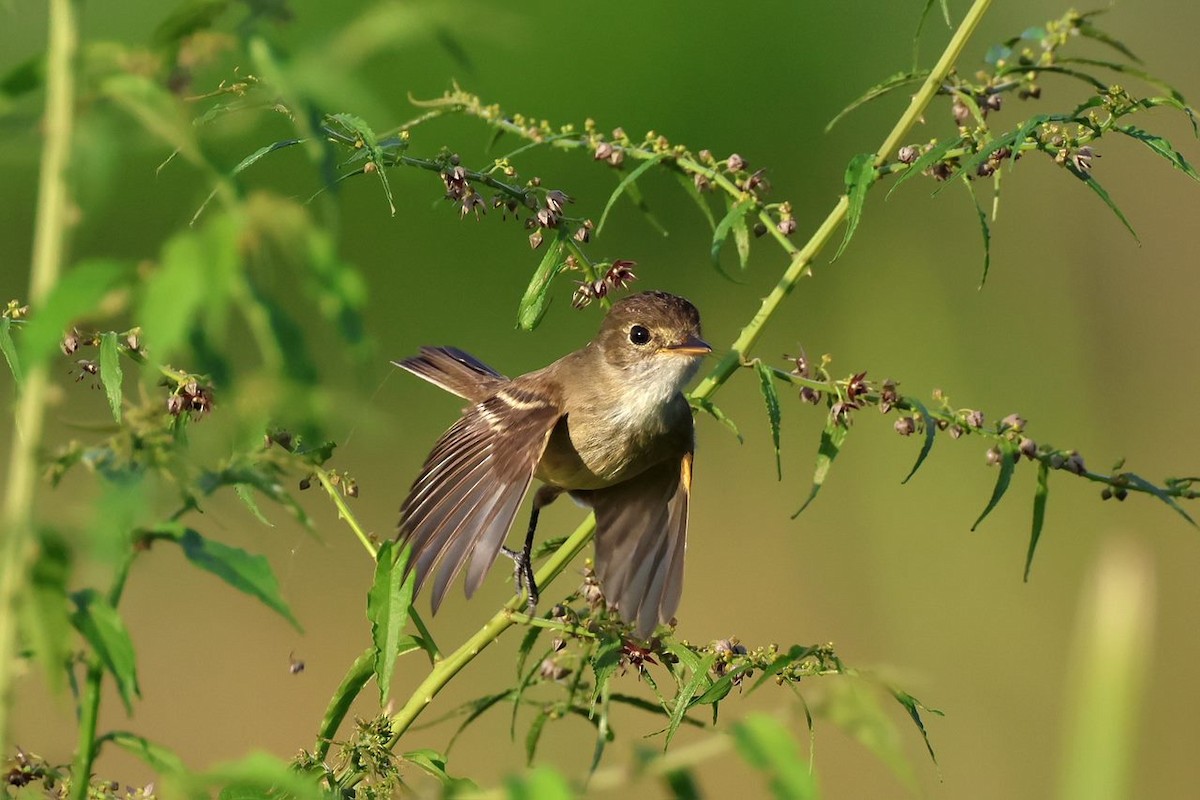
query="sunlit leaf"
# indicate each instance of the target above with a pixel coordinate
(888, 84)
(766, 385)
(985, 229)
(860, 174)
(737, 211)
(536, 299)
(832, 438)
(388, 602)
(1095, 186)
(10, 350)
(1160, 146)
(1008, 460)
(111, 374)
(159, 758)
(1040, 494)
(77, 294)
(766, 744)
(101, 626)
(625, 184)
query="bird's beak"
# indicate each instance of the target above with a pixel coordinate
(691, 346)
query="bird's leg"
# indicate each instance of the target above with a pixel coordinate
(523, 558)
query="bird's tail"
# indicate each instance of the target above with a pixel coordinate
(455, 371)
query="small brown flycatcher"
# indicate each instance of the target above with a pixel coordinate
(606, 424)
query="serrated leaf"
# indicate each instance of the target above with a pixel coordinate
(10, 349)
(1012, 140)
(1040, 494)
(76, 294)
(985, 229)
(536, 299)
(1126, 69)
(1095, 186)
(46, 622)
(687, 694)
(1092, 32)
(626, 183)
(766, 744)
(434, 763)
(159, 758)
(1147, 486)
(604, 662)
(741, 239)
(370, 144)
(388, 602)
(1154, 102)
(860, 174)
(246, 572)
(766, 385)
(721, 232)
(101, 626)
(527, 642)
(518, 692)
(111, 374)
(343, 697)
(534, 734)
(914, 707)
(832, 438)
(689, 186)
(1008, 460)
(924, 161)
(888, 84)
(243, 493)
(1160, 146)
(707, 406)
(927, 444)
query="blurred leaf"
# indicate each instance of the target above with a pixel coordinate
(924, 161)
(1040, 494)
(888, 84)
(860, 174)
(535, 733)
(117, 509)
(536, 299)
(286, 334)
(1147, 486)
(243, 493)
(339, 704)
(111, 374)
(704, 404)
(687, 693)
(388, 602)
(832, 438)
(246, 572)
(77, 294)
(721, 232)
(1095, 186)
(767, 386)
(625, 185)
(914, 707)
(1160, 146)
(475, 709)
(186, 19)
(101, 626)
(930, 432)
(767, 745)
(158, 758)
(682, 785)
(1008, 460)
(22, 78)
(854, 708)
(541, 783)
(689, 186)
(257, 775)
(986, 230)
(1089, 30)
(10, 350)
(157, 110)
(46, 622)
(434, 763)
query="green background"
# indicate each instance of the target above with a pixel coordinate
(1082, 331)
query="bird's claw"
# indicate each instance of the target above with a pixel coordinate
(523, 577)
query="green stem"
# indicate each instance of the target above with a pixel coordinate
(49, 243)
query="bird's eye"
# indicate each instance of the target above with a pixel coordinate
(638, 334)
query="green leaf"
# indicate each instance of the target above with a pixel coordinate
(1147, 486)
(1089, 30)
(111, 374)
(767, 386)
(343, 697)
(374, 154)
(888, 84)
(604, 662)
(46, 622)
(243, 493)
(924, 161)
(794, 654)
(475, 709)
(388, 602)
(1012, 140)
(22, 78)
(1008, 460)
(687, 693)
(1155, 102)
(433, 763)
(100, 625)
(914, 707)
(186, 19)
(243, 571)
(1162, 147)
(536, 299)
(986, 230)
(921, 25)
(542, 783)
(855, 708)
(767, 745)
(831, 444)
(737, 211)
(1126, 69)
(10, 350)
(860, 174)
(527, 642)
(257, 775)
(625, 185)
(930, 433)
(741, 239)
(158, 758)
(706, 405)
(681, 784)
(535, 733)
(157, 110)
(1039, 512)
(689, 186)
(518, 692)
(1095, 186)
(76, 295)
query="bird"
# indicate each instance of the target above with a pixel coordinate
(607, 424)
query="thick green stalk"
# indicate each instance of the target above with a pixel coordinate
(49, 243)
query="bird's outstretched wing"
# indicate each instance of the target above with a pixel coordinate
(463, 502)
(641, 536)
(454, 370)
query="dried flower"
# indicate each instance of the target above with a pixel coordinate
(905, 426)
(735, 163)
(1014, 422)
(556, 200)
(1028, 447)
(994, 456)
(786, 226)
(620, 274)
(70, 343)
(551, 670)
(975, 419)
(1082, 159)
(887, 396)
(908, 154)
(535, 240)
(702, 182)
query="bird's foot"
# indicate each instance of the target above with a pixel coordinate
(523, 576)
